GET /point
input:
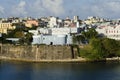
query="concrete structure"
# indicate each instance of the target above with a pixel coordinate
(52, 39)
(37, 53)
(54, 36)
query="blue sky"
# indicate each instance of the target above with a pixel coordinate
(60, 8)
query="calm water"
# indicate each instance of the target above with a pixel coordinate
(59, 71)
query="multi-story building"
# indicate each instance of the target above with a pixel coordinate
(92, 20)
(4, 27)
(53, 22)
(31, 23)
(112, 32)
(67, 22)
(76, 18)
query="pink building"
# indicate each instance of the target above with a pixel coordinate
(30, 23)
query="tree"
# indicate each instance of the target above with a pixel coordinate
(111, 46)
(98, 51)
(19, 34)
(91, 33)
(3, 38)
(28, 38)
(78, 39)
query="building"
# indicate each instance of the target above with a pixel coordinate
(92, 20)
(67, 22)
(52, 39)
(53, 36)
(58, 31)
(4, 27)
(31, 23)
(76, 18)
(53, 22)
(112, 32)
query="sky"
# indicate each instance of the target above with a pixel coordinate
(60, 8)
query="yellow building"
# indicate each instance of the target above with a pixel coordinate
(4, 27)
(92, 20)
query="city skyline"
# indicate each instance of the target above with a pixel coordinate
(60, 8)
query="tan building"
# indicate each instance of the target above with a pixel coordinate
(4, 27)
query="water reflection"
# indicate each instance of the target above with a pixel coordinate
(59, 71)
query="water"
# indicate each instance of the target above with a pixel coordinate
(59, 71)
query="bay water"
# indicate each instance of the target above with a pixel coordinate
(12, 70)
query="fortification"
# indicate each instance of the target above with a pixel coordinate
(37, 52)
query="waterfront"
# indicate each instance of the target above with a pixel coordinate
(59, 71)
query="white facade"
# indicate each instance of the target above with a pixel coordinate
(112, 32)
(53, 22)
(52, 39)
(58, 31)
(76, 18)
(35, 32)
(54, 36)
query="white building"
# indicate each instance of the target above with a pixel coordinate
(67, 22)
(53, 22)
(52, 39)
(54, 36)
(76, 18)
(58, 31)
(112, 32)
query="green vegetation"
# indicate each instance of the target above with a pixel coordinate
(91, 33)
(21, 33)
(85, 37)
(98, 48)
(78, 39)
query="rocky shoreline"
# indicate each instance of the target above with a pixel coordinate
(48, 61)
(78, 60)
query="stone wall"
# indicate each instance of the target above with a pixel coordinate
(37, 52)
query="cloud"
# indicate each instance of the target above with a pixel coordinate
(61, 8)
(19, 9)
(106, 8)
(1, 10)
(54, 6)
(48, 7)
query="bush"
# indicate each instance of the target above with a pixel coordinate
(99, 49)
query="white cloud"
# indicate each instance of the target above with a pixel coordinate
(54, 6)
(19, 9)
(106, 8)
(62, 8)
(1, 9)
(48, 7)
(114, 6)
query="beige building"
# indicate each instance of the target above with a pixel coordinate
(4, 27)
